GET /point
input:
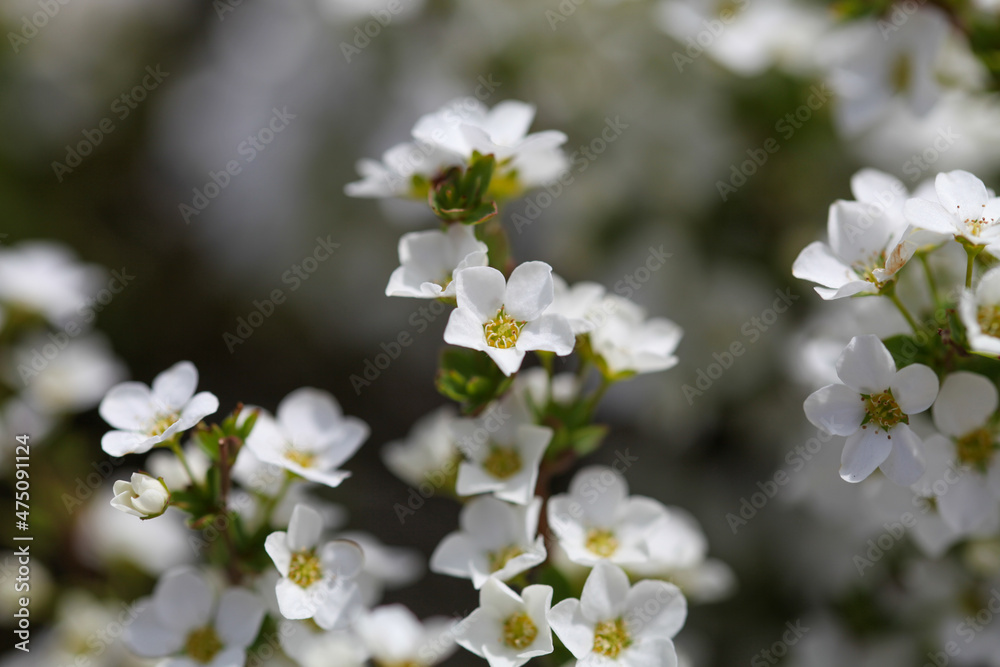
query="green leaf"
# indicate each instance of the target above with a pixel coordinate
(470, 377)
(587, 439)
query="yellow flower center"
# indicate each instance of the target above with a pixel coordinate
(502, 331)
(203, 644)
(976, 227)
(305, 569)
(502, 462)
(500, 558)
(519, 631)
(300, 457)
(601, 542)
(866, 269)
(989, 320)
(882, 410)
(611, 638)
(976, 448)
(162, 423)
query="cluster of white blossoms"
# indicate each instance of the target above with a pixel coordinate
(946, 363)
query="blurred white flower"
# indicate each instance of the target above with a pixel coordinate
(394, 636)
(310, 436)
(597, 520)
(142, 496)
(579, 304)
(46, 279)
(872, 406)
(508, 629)
(310, 647)
(429, 261)
(965, 209)
(507, 318)
(495, 540)
(428, 453)
(148, 417)
(980, 313)
(385, 567)
(502, 460)
(400, 166)
(630, 343)
(166, 465)
(186, 619)
(613, 623)
(316, 581)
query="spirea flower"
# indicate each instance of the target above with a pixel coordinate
(429, 260)
(506, 319)
(146, 417)
(495, 540)
(316, 581)
(309, 436)
(630, 343)
(46, 279)
(404, 171)
(508, 629)
(579, 304)
(142, 496)
(615, 624)
(394, 636)
(428, 454)
(186, 621)
(501, 459)
(980, 313)
(965, 209)
(872, 407)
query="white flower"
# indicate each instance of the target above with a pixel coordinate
(316, 582)
(394, 636)
(401, 165)
(142, 496)
(873, 407)
(310, 436)
(965, 209)
(967, 499)
(878, 67)
(429, 261)
(184, 619)
(495, 540)
(505, 319)
(503, 456)
(614, 624)
(146, 417)
(75, 379)
(508, 629)
(47, 279)
(629, 343)
(385, 567)
(597, 520)
(428, 454)
(465, 125)
(166, 466)
(311, 648)
(579, 304)
(980, 313)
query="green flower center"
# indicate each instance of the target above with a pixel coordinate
(500, 558)
(203, 644)
(976, 448)
(601, 542)
(305, 569)
(502, 462)
(611, 638)
(502, 331)
(882, 410)
(300, 457)
(989, 320)
(519, 631)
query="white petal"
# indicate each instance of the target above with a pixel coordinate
(200, 406)
(604, 592)
(480, 289)
(858, 233)
(465, 329)
(816, 263)
(961, 193)
(929, 215)
(343, 558)
(866, 365)
(184, 599)
(508, 122)
(965, 402)
(304, 528)
(239, 617)
(120, 443)
(529, 291)
(509, 360)
(863, 453)
(308, 415)
(905, 463)
(176, 385)
(128, 406)
(276, 546)
(968, 503)
(548, 332)
(569, 624)
(914, 387)
(295, 602)
(657, 608)
(836, 409)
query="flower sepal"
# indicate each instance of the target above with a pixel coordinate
(457, 195)
(471, 378)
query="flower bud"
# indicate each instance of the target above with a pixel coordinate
(144, 496)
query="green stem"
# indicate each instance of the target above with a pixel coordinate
(972, 252)
(598, 394)
(902, 309)
(931, 281)
(176, 448)
(273, 501)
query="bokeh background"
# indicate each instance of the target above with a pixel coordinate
(223, 69)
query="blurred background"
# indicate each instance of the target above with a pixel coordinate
(119, 120)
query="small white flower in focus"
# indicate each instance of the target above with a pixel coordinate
(613, 623)
(309, 436)
(185, 620)
(429, 261)
(506, 319)
(965, 209)
(142, 496)
(872, 407)
(495, 540)
(316, 581)
(629, 343)
(508, 629)
(394, 636)
(597, 520)
(146, 417)
(980, 313)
